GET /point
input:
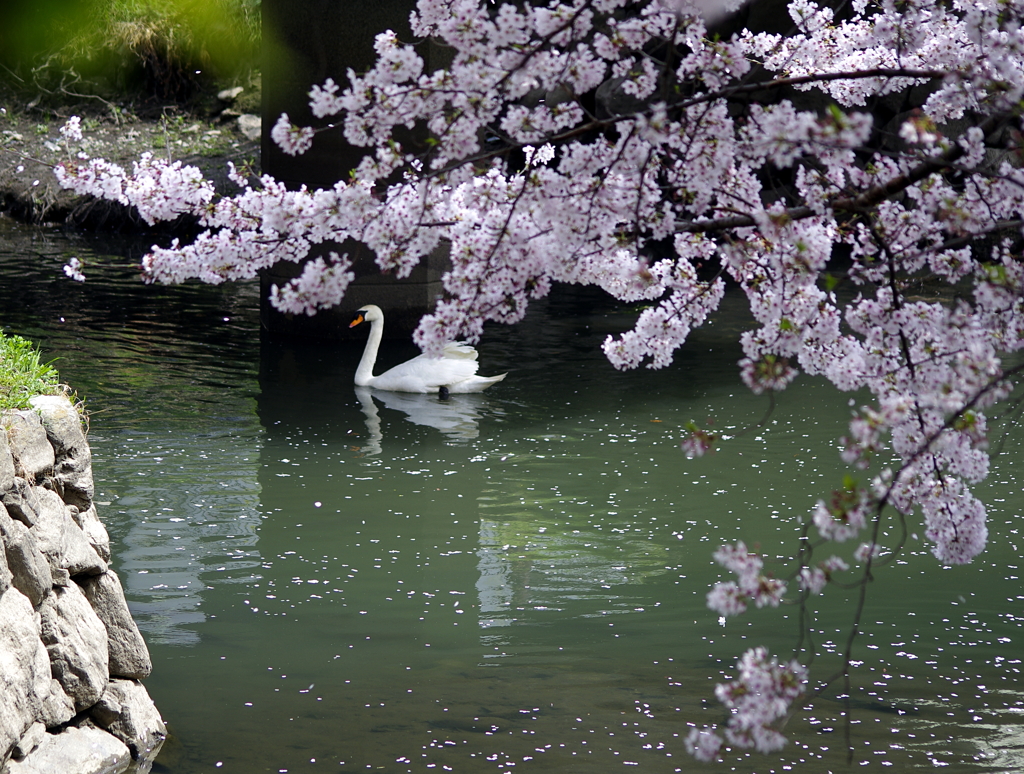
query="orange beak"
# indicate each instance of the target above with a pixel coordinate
(358, 319)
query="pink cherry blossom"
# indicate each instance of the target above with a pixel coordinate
(72, 130)
(843, 516)
(292, 139)
(760, 697)
(73, 269)
(703, 744)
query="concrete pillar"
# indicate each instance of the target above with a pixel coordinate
(305, 42)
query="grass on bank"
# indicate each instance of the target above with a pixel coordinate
(167, 50)
(22, 375)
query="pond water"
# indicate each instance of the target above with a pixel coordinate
(336, 581)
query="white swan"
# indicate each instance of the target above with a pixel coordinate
(454, 371)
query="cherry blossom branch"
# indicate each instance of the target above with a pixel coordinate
(597, 125)
(860, 203)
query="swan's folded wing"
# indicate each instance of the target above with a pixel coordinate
(426, 374)
(458, 350)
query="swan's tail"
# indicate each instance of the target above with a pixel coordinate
(476, 383)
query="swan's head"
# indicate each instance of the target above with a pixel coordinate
(368, 313)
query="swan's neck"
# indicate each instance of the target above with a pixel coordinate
(364, 372)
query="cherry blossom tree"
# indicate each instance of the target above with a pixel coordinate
(849, 177)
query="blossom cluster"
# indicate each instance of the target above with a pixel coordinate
(814, 579)
(751, 584)
(759, 700)
(624, 144)
(844, 516)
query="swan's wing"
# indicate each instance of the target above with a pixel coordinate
(457, 350)
(427, 374)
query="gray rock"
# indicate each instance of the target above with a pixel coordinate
(50, 525)
(58, 708)
(21, 501)
(75, 751)
(6, 577)
(250, 125)
(62, 423)
(127, 712)
(72, 470)
(76, 642)
(24, 669)
(107, 710)
(74, 483)
(33, 455)
(29, 569)
(230, 95)
(89, 522)
(80, 558)
(129, 656)
(6, 463)
(30, 741)
(61, 540)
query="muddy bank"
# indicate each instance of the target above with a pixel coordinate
(31, 146)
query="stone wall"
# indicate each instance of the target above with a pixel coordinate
(71, 656)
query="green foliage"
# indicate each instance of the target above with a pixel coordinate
(168, 49)
(22, 376)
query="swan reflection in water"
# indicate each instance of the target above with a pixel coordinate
(456, 417)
